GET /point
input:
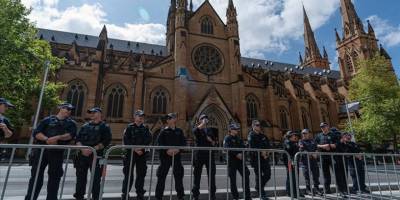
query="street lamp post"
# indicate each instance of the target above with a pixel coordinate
(35, 122)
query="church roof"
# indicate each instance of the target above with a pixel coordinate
(62, 37)
(92, 41)
(285, 67)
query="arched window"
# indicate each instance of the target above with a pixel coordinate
(76, 96)
(325, 116)
(115, 104)
(349, 64)
(159, 98)
(207, 26)
(283, 116)
(251, 105)
(354, 55)
(305, 118)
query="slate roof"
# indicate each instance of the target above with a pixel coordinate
(92, 41)
(153, 49)
(284, 67)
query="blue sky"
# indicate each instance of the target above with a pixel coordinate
(276, 34)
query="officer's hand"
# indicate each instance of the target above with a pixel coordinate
(359, 157)
(86, 152)
(239, 156)
(315, 156)
(52, 140)
(3, 126)
(139, 152)
(210, 140)
(170, 152)
(264, 154)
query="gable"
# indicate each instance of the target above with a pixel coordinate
(206, 10)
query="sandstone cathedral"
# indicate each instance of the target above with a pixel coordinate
(200, 70)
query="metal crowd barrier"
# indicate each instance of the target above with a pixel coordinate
(381, 180)
(42, 148)
(191, 151)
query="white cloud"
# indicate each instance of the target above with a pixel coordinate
(270, 25)
(89, 19)
(265, 25)
(387, 33)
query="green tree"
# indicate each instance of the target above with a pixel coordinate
(22, 58)
(377, 89)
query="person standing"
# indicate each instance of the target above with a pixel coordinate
(355, 164)
(259, 160)
(135, 134)
(291, 146)
(326, 142)
(170, 136)
(96, 134)
(6, 130)
(204, 137)
(57, 129)
(310, 162)
(237, 162)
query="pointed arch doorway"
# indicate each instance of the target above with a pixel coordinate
(218, 121)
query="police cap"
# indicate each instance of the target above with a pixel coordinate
(139, 113)
(202, 116)
(67, 106)
(6, 102)
(323, 124)
(171, 116)
(94, 109)
(234, 126)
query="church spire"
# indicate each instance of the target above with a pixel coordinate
(351, 22)
(231, 13)
(371, 31)
(312, 54)
(309, 39)
(191, 6)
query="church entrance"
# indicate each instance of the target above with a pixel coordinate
(218, 121)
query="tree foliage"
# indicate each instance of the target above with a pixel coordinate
(22, 58)
(377, 89)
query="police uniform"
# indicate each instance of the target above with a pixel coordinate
(355, 165)
(326, 161)
(6, 121)
(170, 137)
(91, 134)
(310, 163)
(235, 164)
(291, 148)
(202, 157)
(50, 126)
(259, 141)
(135, 135)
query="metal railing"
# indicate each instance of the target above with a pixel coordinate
(192, 152)
(379, 173)
(382, 182)
(41, 149)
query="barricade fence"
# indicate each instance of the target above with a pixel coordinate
(381, 173)
(355, 175)
(37, 160)
(192, 156)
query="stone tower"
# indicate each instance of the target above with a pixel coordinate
(355, 43)
(312, 54)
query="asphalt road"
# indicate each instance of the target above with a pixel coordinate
(20, 173)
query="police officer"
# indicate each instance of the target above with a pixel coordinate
(135, 134)
(204, 137)
(327, 142)
(170, 136)
(96, 134)
(291, 146)
(309, 161)
(258, 140)
(236, 160)
(354, 163)
(6, 129)
(57, 129)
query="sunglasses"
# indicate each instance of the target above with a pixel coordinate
(257, 125)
